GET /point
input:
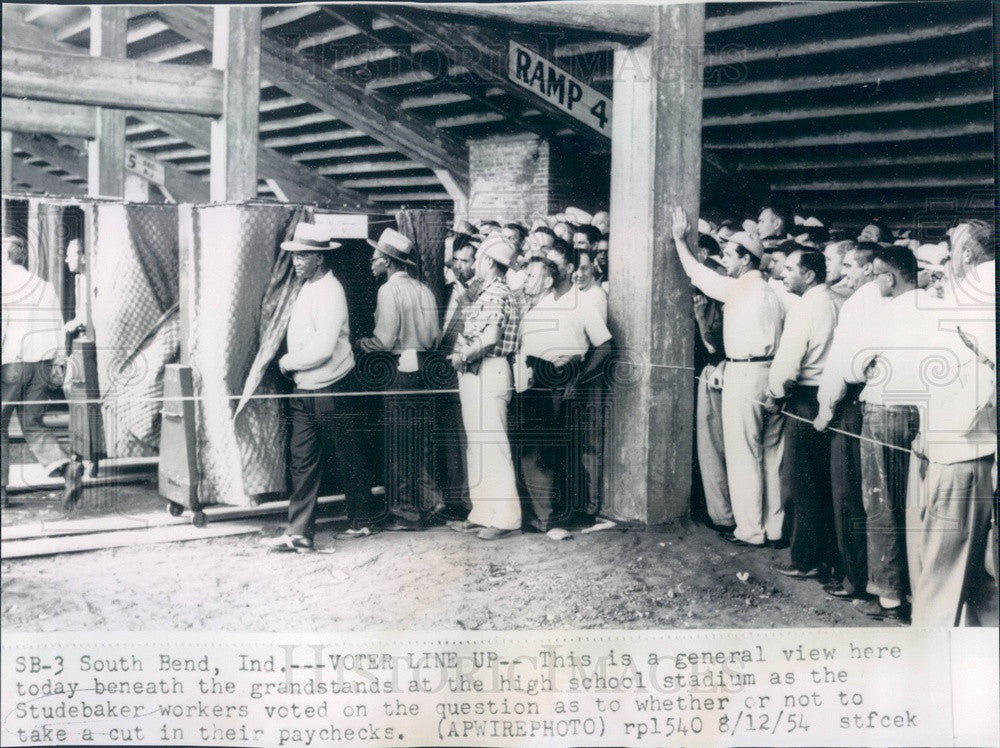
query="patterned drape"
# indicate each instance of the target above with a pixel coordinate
(134, 292)
(240, 294)
(428, 229)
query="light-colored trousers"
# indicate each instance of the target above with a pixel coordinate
(492, 485)
(947, 533)
(754, 441)
(711, 452)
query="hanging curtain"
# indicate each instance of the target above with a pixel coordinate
(427, 229)
(134, 294)
(241, 291)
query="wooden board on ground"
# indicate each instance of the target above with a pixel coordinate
(31, 476)
(102, 540)
(111, 523)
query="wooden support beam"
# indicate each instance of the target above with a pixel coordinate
(849, 78)
(327, 153)
(195, 131)
(376, 183)
(30, 115)
(181, 186)
(361, 18)
(294, 141)
(236, 53)
(368, 167)
(783, 12)
(106, 152)
(883, 184)
(970, 98)
(776, 164)
(6, 160)
(41, 180)
(411, 197)
(127, 84)
(623, 20)
(338, 95)
(857, 137)
(655, 164)
(459, 197)
(484, 54)
(743, 55)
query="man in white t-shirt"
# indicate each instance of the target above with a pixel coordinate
(564, 341)
(320, 361)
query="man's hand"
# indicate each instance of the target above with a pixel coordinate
(715, 379)
(283, 367)
(771, 405)
(368, 345)
(679, 225)
(822, 420)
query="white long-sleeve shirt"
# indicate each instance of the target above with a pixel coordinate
(805, 342)
(31, 317)
(854, 324)
(752, 318)
(318, 337)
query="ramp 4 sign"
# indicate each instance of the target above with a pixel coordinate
(530, 70)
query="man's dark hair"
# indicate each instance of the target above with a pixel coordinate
(742, 251)
(566, 249)
(866, 251)
(545, 230)
(521, 231)
(462, 241)
(592, 233)
(490, 223)
(885, 235)
(16, 249)
(708, 243)
(783, 212)
(550, 267)
(790, 245)
(901, 260)
(813, 260)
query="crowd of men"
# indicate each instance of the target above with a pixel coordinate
(847, 407)
(846, 394)
(523, 340)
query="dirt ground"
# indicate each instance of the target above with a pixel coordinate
(678, 576)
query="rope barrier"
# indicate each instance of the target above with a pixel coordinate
(400, 393)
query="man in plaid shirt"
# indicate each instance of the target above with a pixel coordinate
(482, 358)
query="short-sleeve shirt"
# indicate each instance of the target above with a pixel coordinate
(494, 306)
(565, 326)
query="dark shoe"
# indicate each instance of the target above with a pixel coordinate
(779, 544)
(731, 538)
(838, 590)
(724, 529)
(796, 573)
(73, 484)
(288, 544)
(463, 525)
(402, 525)
(873, 608)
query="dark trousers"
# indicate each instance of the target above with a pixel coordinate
(28, 382)
(545, 455)
(805, 485)
(849, 518)
(586, 421)
(884, 476)
(450, 449)
(409, 450)
(324, 437)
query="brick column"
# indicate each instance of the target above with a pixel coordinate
(509, 178)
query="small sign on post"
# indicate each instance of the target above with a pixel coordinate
(544, 78)
(145, 166)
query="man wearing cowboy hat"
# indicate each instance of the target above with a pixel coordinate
(482, 358)
(406, 326)
(320, 361)
(752, 321)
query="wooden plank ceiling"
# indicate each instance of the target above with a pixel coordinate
(847, 110)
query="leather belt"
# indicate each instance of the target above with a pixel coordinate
(750, 359)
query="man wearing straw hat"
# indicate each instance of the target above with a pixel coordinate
(482, 359)
(320, 361)
(406, 326)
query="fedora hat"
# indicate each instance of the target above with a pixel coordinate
(497, 248)
(394, 246)
(309, 237)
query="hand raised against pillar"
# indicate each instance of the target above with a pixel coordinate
(679, 224)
